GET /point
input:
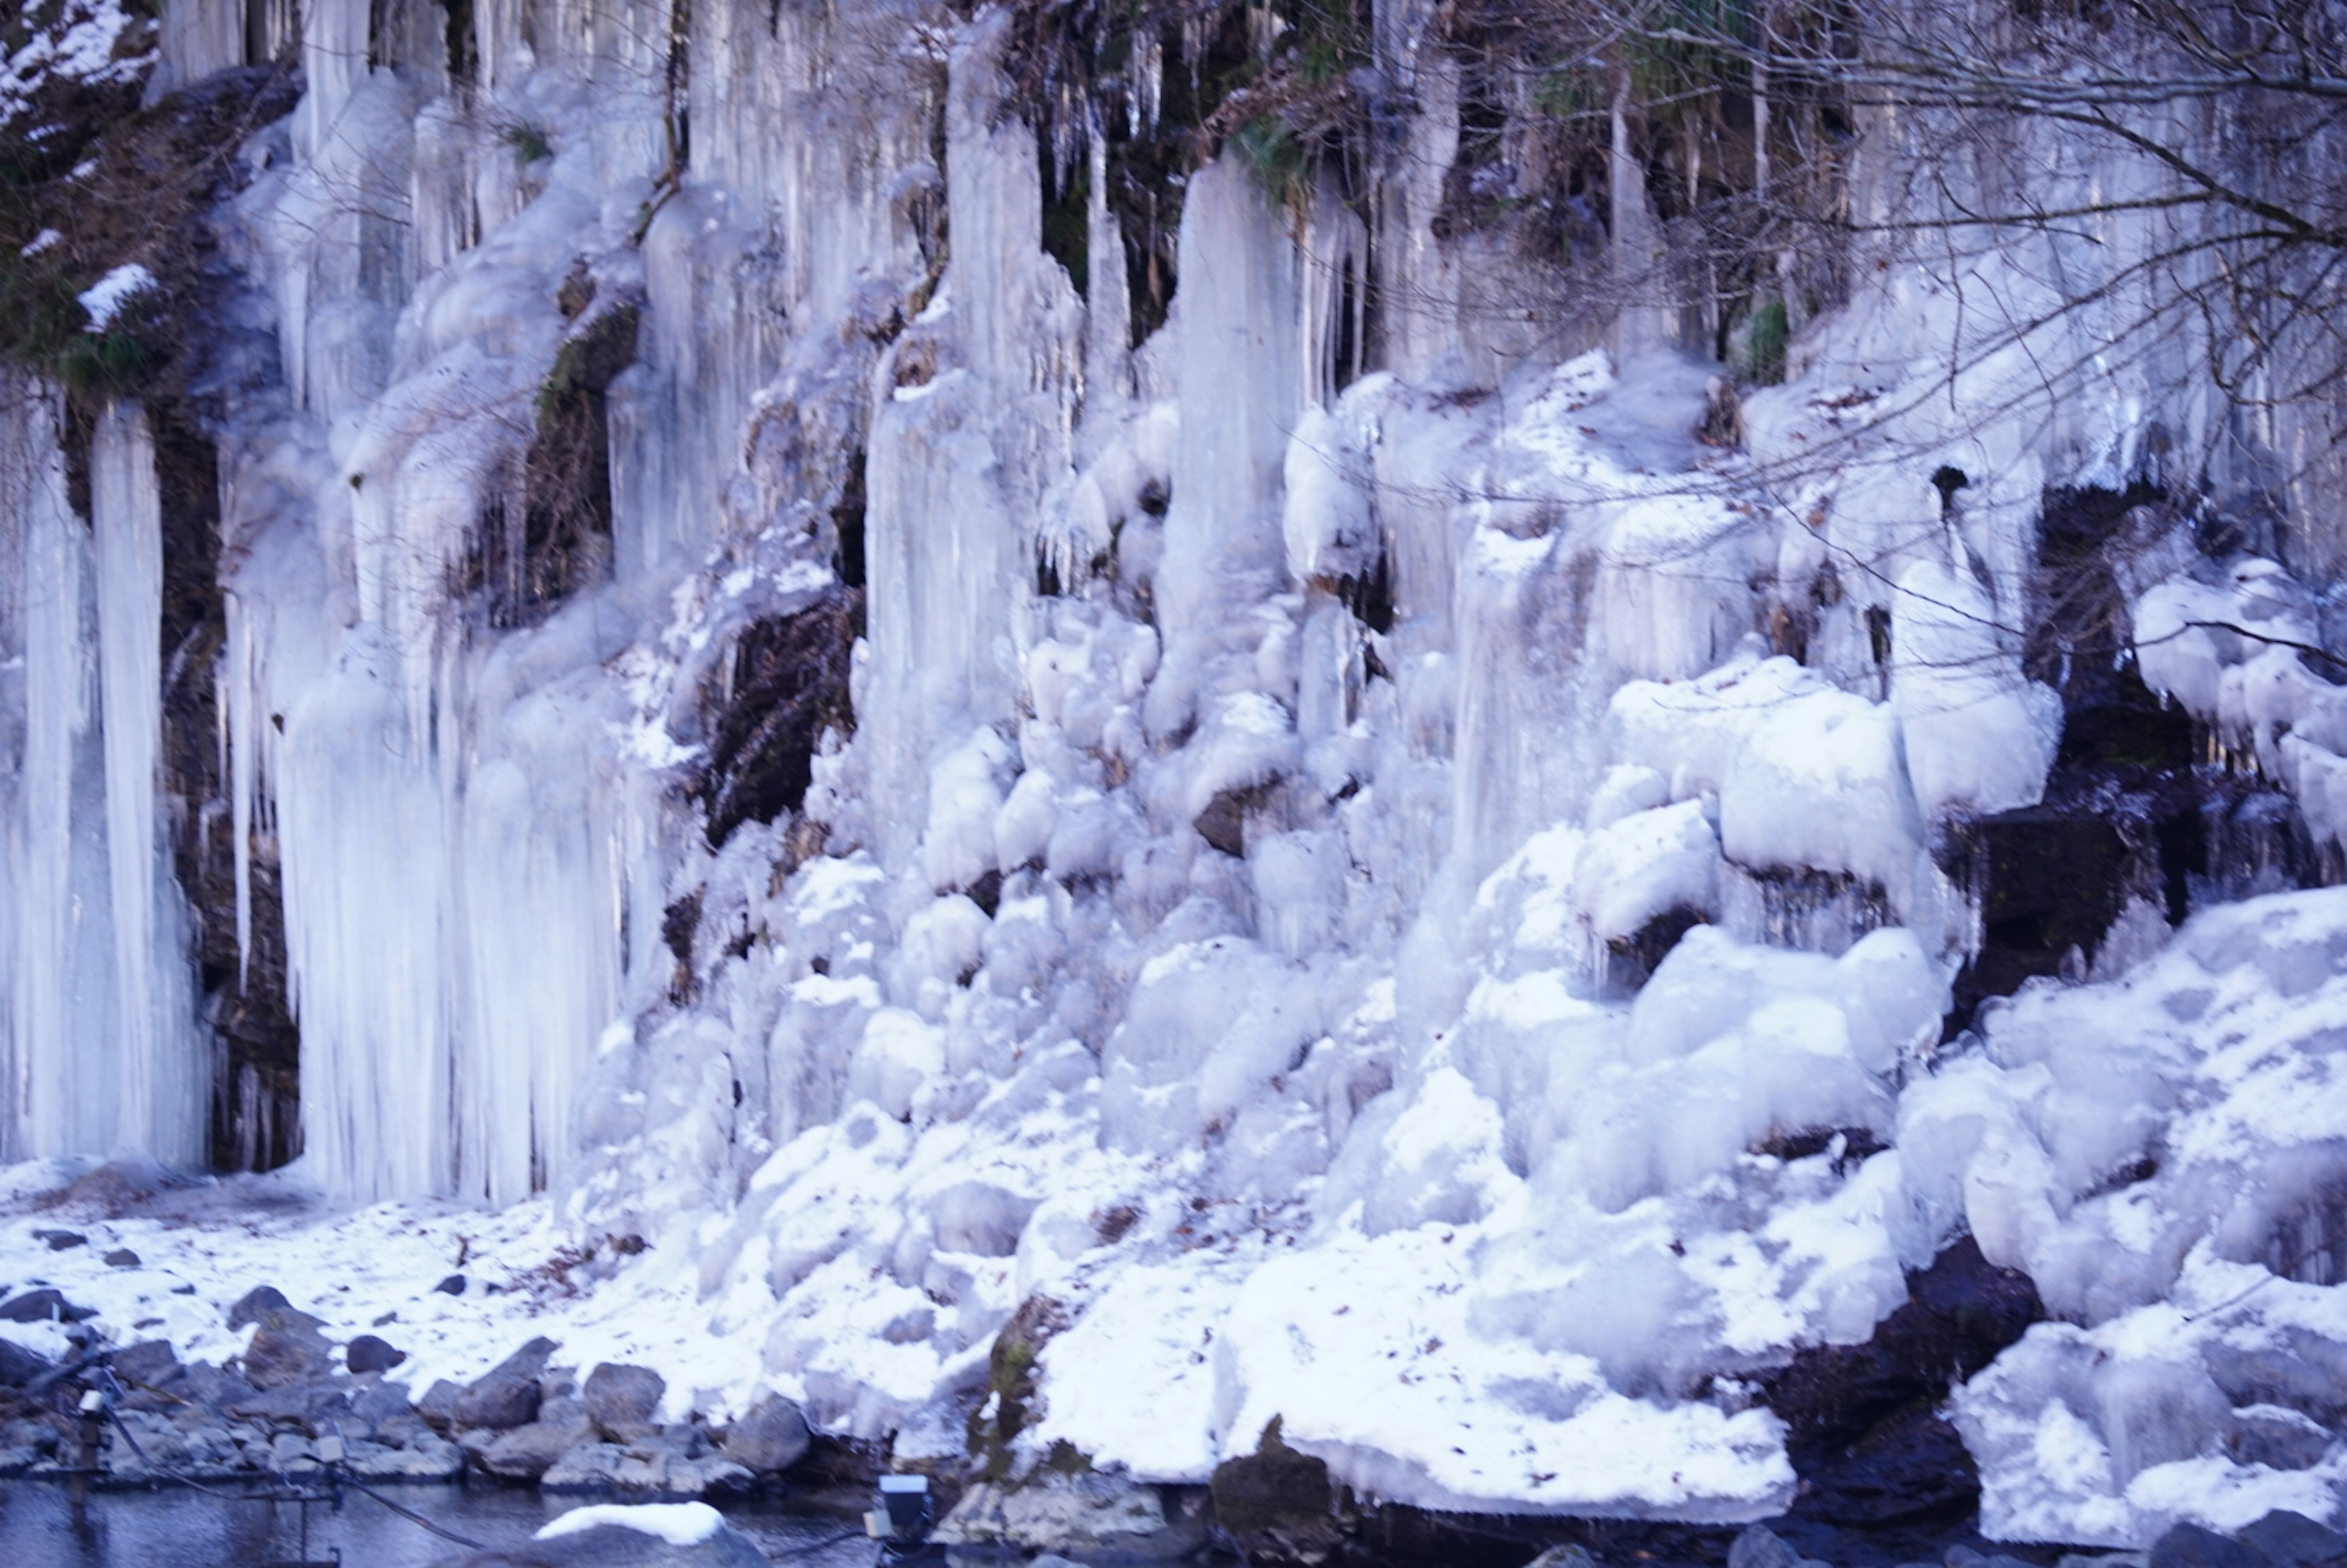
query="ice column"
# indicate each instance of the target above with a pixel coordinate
(158, 1081)
(99, 1000)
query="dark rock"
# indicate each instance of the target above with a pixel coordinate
(508, 1395)
(765, 710)
(151, 1362)
(46, 1304)
(613, 1545)
(1759, 1547)
(526, 1452)
(283, 1354)
(257, 1303)
(452, 1286)
(60, 1240)
(2278, 1437)
(1863, 1426)
(772, 1438)
(624, 1402)
(122, 1257)
(368, 1354)
(1085, 1513)
(2294, 1541)
(312, 1406)
(438, 1405)
(1278, 1505)
(1962, 1556)
(2190, 1546)
(19, 1366)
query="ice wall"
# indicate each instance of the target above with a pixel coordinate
(1473, 825)
(104, 1047)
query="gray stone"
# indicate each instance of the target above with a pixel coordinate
(1085, 1514)
(1555, 1557)
(257, 1303)
(772, 1438)
(19, 1366)
(2295, 1541)
(122, 1257)
(368, 1354)
(1965, 1557)
(1760, 1547)
(526, 1452)
(150, 1362)
(426, 1456)
(2190, 1546)
(624, 1402)
(508, 1395)
(588, 1468)
(44, 1306)
(438, 1405)
(651, 1469)
(2278, 1437)
(452, 1286)
(59, 1241)
(616, 1545)
(281, 1355)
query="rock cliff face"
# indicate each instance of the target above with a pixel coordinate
(1172, 723)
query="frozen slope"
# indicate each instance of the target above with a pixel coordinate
(1418, 904)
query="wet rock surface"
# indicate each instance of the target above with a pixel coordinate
(1864, 1429)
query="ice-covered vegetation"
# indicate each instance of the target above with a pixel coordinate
(1237, 684)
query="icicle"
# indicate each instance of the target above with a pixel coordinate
(1144, 82)
(126, 519)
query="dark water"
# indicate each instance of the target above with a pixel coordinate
(42, 1524)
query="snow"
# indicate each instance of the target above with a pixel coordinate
(1180, 935)
(105, 299)
(678, 1523)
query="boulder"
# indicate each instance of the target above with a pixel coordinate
(612, 1535)
(150, 1362)
(58, 1240)
(1758, 1547)
(1278, 1504)
(256, 1303)
(624, 1402)
(654, 1469)
(508, 1394)
(283, 1353)
(19, 1366)
(426, 1456)
(2294, 1541)
(772, 1438)
(44, 1306)
(1081, 1513)
(2190, 1546)
(526, 1452)
(452, 1286)
(1566, 1556)
(369, 1354)
(122, 1257)
(438, 1405)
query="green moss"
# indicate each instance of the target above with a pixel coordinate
(1764, 341)
(1280, 163)
(529, 143)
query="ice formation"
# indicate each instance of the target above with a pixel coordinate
(1278, 828)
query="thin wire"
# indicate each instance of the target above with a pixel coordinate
(290, 1494)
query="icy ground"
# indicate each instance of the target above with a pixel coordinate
(2139, 1147)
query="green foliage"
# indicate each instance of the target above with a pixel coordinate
(1763, 344)
(1664, 69)
(528, 142)
(1279, 161)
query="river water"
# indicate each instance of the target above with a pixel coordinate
(44, 1524)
